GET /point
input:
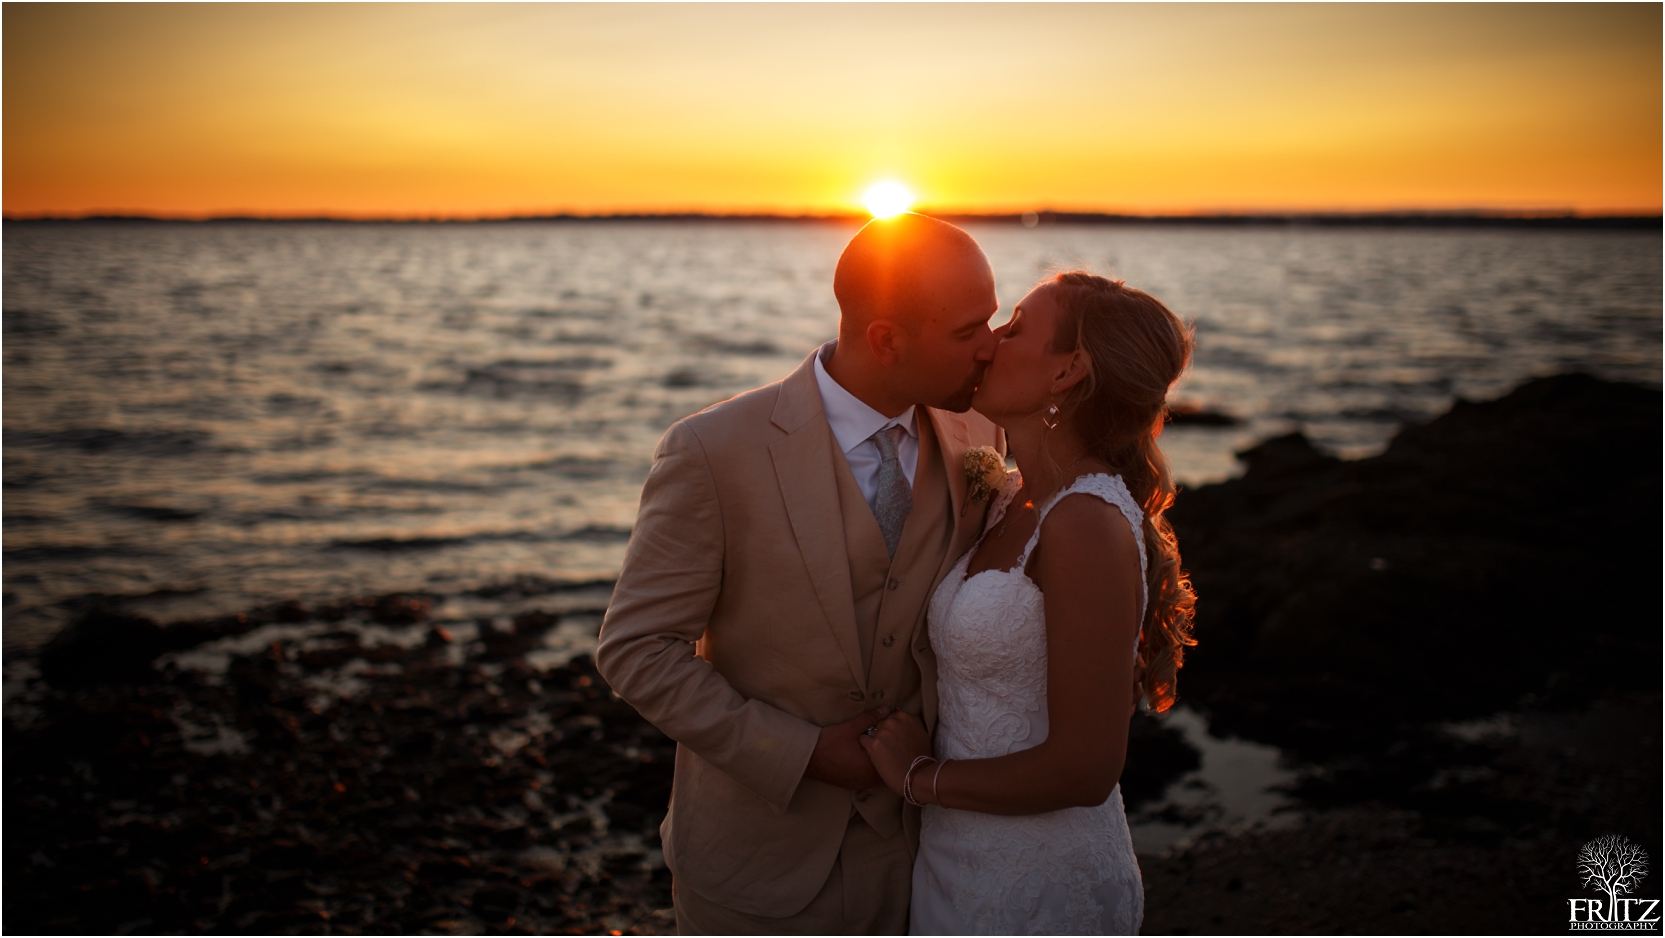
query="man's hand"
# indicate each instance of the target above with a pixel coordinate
(839, 759)
(899, 739)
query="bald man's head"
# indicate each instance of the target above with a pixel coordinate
(894, 267)
(914, 296)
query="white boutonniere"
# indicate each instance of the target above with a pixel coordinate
(985, 473)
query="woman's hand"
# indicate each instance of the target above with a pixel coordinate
(893, 744)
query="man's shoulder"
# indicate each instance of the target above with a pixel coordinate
(741, 421)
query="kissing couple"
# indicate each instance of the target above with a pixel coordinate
(900, 677)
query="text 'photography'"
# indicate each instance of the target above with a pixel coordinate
(832, 468)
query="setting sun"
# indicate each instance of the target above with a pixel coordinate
(887, 198)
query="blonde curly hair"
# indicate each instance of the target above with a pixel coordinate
(1137, 349)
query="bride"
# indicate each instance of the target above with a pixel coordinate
(1071, 605)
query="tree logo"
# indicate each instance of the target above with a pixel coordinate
(1615, 866)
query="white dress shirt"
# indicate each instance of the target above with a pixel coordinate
(853, 425)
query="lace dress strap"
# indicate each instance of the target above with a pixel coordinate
(1112, 489)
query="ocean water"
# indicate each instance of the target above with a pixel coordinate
(207, 418)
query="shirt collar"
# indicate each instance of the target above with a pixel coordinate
(852, 421)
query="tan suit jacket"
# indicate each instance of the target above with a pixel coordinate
(733, 628)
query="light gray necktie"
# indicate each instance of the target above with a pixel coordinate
(895, 496)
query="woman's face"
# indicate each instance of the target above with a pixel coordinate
(1019, 382)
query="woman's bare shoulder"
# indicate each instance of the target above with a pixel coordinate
(1087, 528)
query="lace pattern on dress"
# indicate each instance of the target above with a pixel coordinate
(1063, 872)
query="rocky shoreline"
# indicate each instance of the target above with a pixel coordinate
(1457, 640)
(1458, 643)
(375, 773)
(347, 768)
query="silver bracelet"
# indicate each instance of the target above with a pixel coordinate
(935, 791)
(907, 781)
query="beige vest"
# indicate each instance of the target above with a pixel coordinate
(891, 595)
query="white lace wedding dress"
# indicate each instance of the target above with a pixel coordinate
(1070, 871)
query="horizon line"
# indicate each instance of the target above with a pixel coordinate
(1446, 217)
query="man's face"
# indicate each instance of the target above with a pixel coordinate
(949, 343)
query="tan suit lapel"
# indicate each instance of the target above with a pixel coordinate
(805, 465)
(967, 520)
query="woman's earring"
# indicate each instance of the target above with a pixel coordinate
(1050, 420)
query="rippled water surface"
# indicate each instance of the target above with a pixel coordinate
(219, 416)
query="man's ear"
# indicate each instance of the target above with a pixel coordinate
(885, 339)
(1073, 373)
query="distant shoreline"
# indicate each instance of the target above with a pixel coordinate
(1037, 219)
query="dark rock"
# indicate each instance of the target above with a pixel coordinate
(1157, 755)
(445, 870)
(277, 729)
(625, 816)
(512, 838)
(338, 654)
(1505, 549)
(419, 743)
(290, 611)
(400, 609)
(684, 378)
(1282, 455)
(1185, 414)
(103, 647)
(578, 825)
(523, 634)
(496, 903)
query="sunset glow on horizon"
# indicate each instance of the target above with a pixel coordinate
(491, 110)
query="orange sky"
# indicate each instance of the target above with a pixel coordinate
(483, 110)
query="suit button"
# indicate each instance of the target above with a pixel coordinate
(894, 583)
(855, 695)
(878, 695)
(861, 796)
(890, 640)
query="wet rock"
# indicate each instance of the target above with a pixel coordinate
(103, 647)
(401, 609)
(1188, 414)
(342, 648)
(516, 637)
(289, 611)
(1474, 563)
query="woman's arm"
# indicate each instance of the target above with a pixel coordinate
(1087, 565)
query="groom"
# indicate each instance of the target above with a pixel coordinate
(772, 601)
